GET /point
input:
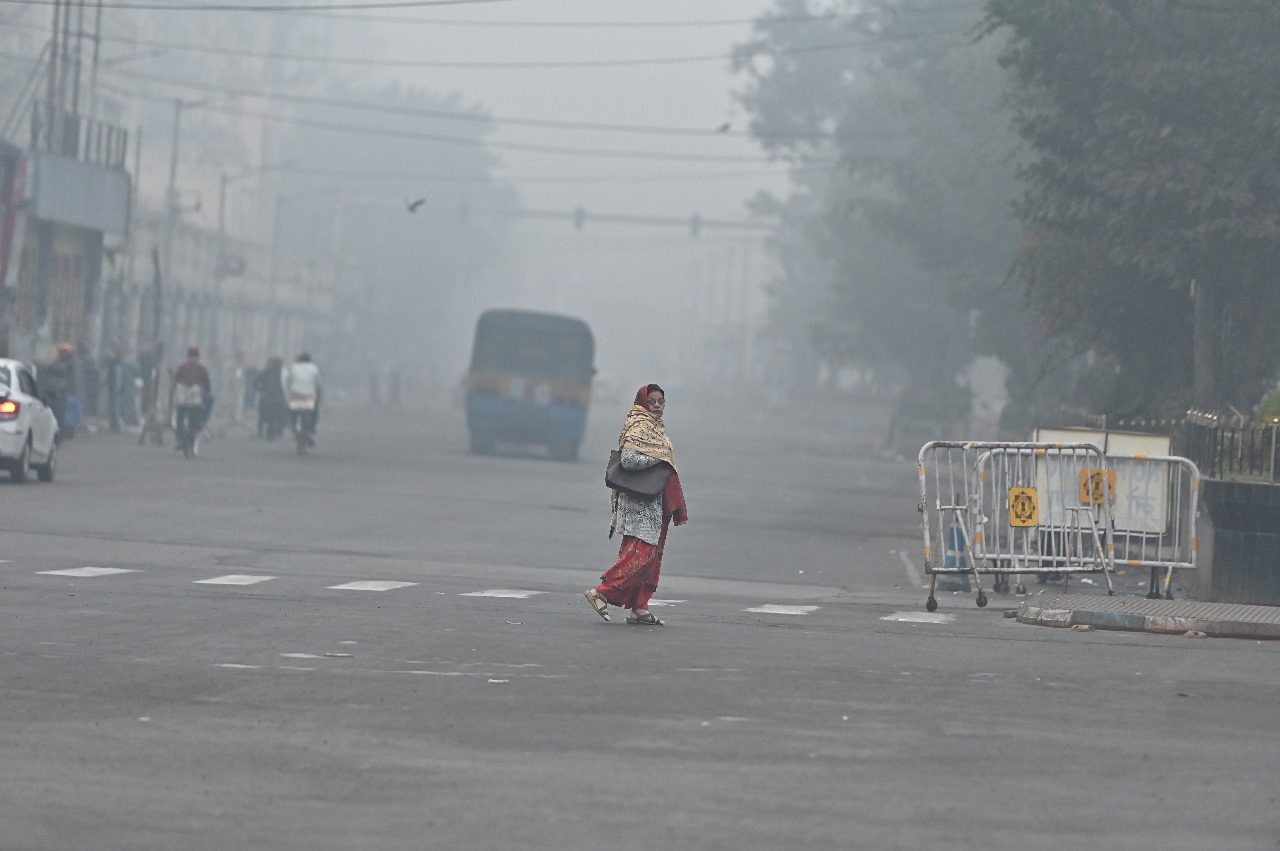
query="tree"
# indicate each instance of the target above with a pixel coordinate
(1151, 209)
(916, 223)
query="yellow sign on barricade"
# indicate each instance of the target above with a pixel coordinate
(1097, 486)
(1024, 507)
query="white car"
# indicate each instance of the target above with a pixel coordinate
(28, 427)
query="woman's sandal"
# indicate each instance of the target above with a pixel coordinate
(647, 618)
(598, 602)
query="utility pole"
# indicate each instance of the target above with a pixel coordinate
(93, 71)
(51, 94)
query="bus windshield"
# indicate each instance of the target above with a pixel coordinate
(536, 345)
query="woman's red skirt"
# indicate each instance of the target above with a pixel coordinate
(634, 576)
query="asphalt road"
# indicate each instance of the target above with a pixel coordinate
(797, 698)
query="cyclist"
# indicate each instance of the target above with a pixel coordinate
(302, 390)
(192, 393)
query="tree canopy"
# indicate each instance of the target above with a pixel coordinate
(1090, 190)
(1152, 197)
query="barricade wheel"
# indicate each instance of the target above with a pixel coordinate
(931, 604)
(982, 600)
(1021, 589)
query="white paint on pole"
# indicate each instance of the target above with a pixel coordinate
(234, 579)
(502, 592)
(775, 609)
(86, 572)
(371, 585)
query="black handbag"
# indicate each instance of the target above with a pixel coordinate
(646, 483)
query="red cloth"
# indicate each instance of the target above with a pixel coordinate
(642, 395)
(673, 507)
(633, 579)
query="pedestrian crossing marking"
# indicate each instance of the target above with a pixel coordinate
(775, 609)
(919, 617)
(502, 592)
(233, 579)
(371, 585)
(656, 602)
(85, 572)
(300, 655)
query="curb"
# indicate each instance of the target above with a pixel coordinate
(1161, 624)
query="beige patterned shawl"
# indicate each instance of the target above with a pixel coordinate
(645, 433)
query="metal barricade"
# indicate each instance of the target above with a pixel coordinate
(1154, 517)
(1039, 508)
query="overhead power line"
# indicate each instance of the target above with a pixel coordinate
(456, 115)
(466, 141)
(580, 218)
(381, 62)
(236, 7)
(410, 177)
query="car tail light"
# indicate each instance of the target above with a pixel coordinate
(8, 410)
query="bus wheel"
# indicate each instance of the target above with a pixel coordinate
(564, 450)
(482, 444)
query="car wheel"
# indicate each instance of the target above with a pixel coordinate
(22, 464)
(46, 470)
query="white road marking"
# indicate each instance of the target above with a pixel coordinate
(486, 674)
(501, 592)
(775, 609)
(234, 579)
(371, 585)
(300, 655)
(657, 602)
(919, 617)
(86, 571)
(913, 575)
(234, 665)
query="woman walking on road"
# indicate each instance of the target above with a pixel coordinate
(633, 579)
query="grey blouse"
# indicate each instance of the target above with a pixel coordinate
(636, 516)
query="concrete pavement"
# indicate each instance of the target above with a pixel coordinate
(1138, 614)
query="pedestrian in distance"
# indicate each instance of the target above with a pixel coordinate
(192, 395)
(643, 522)
(273, 410)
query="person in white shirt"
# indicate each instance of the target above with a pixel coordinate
(301, 381)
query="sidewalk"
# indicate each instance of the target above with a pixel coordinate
(1220, 620)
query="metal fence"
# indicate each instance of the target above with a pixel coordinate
(77, 136)
(1009, 509)
(1154, 516)
(1054, 509)
(1223, 452)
